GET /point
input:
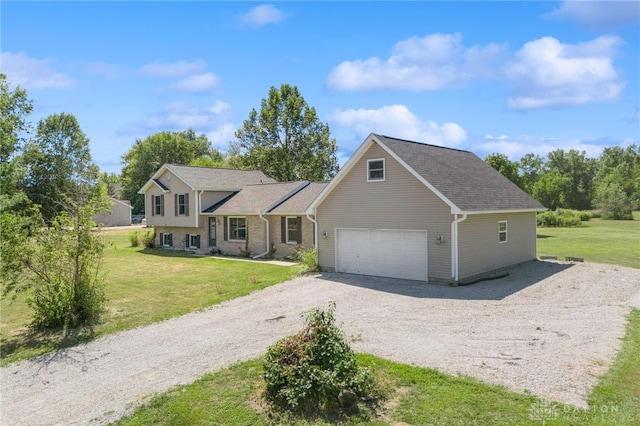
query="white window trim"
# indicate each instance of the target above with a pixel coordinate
(229, 228)
(157, 205)
(190, 237)
(164, 239)
(286, 221)
(505, 232)
(384, 170)
(182, 204)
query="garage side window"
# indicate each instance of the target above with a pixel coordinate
(502, 231)
(375, 170)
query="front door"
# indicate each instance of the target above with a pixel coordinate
(212, 232)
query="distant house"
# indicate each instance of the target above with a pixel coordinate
(409, 210)
(200, 209)
(119, 214)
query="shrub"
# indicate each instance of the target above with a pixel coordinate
(309, 370)
(307, 258)
(148, 238)
(560, 218)
(134, 239)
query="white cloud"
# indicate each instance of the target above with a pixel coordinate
(548, 73)
(197, 83)
(104, 69)
(262, 15)
(222, 135)
(433, 62)
(173, 69)
(598, 14)
(398, 121)
(30, 73)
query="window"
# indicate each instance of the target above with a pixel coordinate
(194, 241)
(375, 170)
(181, 204)
(502, 231)
(167, 240)
(157, 205)
(237, 228)
(292, 230)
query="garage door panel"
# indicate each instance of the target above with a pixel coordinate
(386, 253)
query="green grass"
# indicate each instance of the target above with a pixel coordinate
(412, 395)
(598, 241)
(142, 287)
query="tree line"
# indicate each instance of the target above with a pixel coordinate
(572, 180)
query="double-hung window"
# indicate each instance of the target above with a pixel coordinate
(167, 240)
(181, 204)
(375, 170)
(157, 205)
(502, 231)
(193, 241)
(292, 230)
(237, 228)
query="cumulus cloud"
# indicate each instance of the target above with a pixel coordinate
(31, 73)
(432, 62)
(598, 14)
(197, 83)
(259, 16)
(398, 121)
(176, 116)
(548, 73)
(173, 69)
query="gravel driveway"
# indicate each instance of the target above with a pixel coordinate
(549, 327)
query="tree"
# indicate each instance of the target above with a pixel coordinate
(286, 140)
(620, 168)
(580, 170)
(146, 156)
(112, 182)
(531, 168)
(59, 165)
(612, 199)
(551, 190)
(506, 167)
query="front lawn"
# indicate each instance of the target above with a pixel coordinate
(143, 287)
(414, 396)
(599, 241)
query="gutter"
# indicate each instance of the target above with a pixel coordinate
(258, 256)
(454, 246)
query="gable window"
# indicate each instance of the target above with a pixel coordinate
(237, 228)
(502, 231)
(193, 240)
(166, 240)
(157, 205)
(181, 204)
(375, 170)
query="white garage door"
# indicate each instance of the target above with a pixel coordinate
(384, 253)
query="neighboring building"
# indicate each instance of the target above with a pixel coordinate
(203, 209)
(409, 210)
(119, 214)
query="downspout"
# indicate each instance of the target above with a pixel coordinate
(315, 238)
(454, 245)
(198, 204)
(258, 256)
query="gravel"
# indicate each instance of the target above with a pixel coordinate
(549, 327)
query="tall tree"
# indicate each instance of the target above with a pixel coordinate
(15, 107)
(618, 181)
(286, 140)
(580, 170)
(60, 170)
(506, 167)
(146, 156)
(531, 168)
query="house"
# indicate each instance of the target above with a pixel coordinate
(410, 210)
(231, 211)
(119, 214)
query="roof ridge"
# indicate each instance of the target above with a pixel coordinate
(423, 143)
(214, 168)
(277, 183)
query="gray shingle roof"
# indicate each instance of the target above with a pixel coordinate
(254, 199)
(462, 177)
(300, 201)
(206, 178)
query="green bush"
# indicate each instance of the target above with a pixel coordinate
(134, 239)
(307, 258)
(307, 371)
(562, 218)
(148, 238)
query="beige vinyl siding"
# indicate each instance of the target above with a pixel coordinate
(119, 214)
(480, 250)
(398, 202)
(209, 198)
(176, 186)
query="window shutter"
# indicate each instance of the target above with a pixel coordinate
(175, 204)
(153, 207)
(187, 243)
(299, 230)
(162, 205)
(186, 204)
(226, 229)
(198, 241)
(283, 229)
(161, 239)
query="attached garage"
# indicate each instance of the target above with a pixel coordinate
(392, 253)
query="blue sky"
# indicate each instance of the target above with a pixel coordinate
(489, 77)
